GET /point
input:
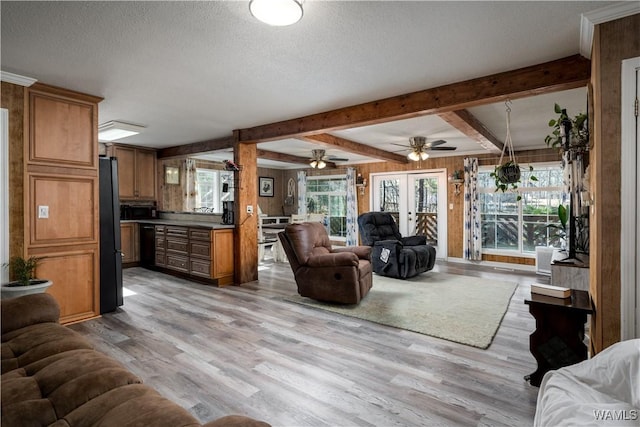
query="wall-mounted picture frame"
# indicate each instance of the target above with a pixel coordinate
(265, 186)
(171, 175)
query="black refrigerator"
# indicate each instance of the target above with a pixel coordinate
(110, 249)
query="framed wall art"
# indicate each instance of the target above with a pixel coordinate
(265, 186)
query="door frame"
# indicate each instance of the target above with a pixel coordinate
(443, 226)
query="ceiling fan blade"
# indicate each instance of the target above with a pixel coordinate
(400, 145)
(435, 143)
(337, 159)
(443, 148)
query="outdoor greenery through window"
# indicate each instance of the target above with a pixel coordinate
(210, 189)
(327, 195)
(512, 226)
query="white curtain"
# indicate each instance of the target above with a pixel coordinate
(190, 191)
(352, 208)
(302, 193)
(472, 243)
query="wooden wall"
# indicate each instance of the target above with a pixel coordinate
(13, 101)
(613, 42)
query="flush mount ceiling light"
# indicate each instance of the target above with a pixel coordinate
(114, 130)
(278, 13)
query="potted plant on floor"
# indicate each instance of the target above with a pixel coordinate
(24, 283)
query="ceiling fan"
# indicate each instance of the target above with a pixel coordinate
(420, 147)
(318, 159)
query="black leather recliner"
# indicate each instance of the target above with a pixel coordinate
(392, 254)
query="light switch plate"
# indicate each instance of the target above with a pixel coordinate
(43, 211)
(249, 209)
(450, 206)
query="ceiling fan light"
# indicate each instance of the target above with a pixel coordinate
(413, 156)
(278, 13)
(424, 155)
(313, 163)
(321, 164)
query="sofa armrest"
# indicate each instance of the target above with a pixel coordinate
(28, 310)
(414, 240)
(333, 260)
(362, 252)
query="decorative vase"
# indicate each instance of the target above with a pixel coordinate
(12, 290)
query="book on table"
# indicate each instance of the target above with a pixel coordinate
(550, 290)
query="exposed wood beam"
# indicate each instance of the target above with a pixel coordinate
(197, 147)
(566, 73)
(469, 125)
(287, 158)
(353, 147)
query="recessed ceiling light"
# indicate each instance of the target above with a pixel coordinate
(278, 13)
(114, 130)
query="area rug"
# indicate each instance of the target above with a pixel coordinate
(463, 309)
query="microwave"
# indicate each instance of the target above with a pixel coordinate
(128, 212)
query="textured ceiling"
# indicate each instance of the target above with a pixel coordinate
(193, 71)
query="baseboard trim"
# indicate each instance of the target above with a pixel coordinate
(496, 265)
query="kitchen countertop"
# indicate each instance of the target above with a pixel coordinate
(181, 223)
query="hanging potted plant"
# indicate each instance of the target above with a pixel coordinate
(507, 175)
(578, 131)
(24, 283)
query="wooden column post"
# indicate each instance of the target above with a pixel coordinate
(246, 194)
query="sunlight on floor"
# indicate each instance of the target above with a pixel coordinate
(127, 292)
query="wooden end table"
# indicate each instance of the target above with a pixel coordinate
(558, 338)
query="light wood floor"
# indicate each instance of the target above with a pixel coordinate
(241, 349)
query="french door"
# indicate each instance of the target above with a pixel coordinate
(418, 203)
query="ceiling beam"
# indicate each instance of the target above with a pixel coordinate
(349, 146)
(287, 158)
(562, 74)
(197, 147)
(469, 125)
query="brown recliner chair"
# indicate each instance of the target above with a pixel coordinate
(334, 275)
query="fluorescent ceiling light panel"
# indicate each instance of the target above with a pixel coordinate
(114, 130)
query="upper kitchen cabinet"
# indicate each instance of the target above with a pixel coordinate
(136, 172)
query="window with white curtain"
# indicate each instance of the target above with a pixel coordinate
(328, 195)
(513, 227)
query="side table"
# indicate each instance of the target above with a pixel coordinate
(558, 338)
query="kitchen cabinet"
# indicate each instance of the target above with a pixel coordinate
(136, 172)
(200, 253)
(129, 243)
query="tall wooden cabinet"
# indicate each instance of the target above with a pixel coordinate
(61, 214)
(136, 172)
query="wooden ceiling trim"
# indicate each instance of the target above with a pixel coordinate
(349, 146)
(197, 147)
(469, 125)
(287, 158)
(562, 74)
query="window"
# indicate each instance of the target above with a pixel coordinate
(212, 188)
(328, 195)
(518, 227)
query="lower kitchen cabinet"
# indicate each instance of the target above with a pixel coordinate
(129, 241)
(202, 254)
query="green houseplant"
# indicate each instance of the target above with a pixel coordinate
(24, 283)
(579, 131)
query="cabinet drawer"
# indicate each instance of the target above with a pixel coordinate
(178, 263)
(160, 259)
(200, 250)
(177, 231)
(178, 245)
(199, 234)
(159, 229)
(160, 243)
(200, 268)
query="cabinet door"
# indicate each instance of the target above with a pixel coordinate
(146, 174)
(222, 260)
(127, 239)
(126, 172)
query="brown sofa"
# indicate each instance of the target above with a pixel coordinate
(51, 376)
(341, 275)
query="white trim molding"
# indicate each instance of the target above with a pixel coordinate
(4, 193)
(605, 14)
(16, 79)
(629, 203)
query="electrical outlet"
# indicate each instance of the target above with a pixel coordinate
(250, 209)
(43, 211)
(450, 206)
